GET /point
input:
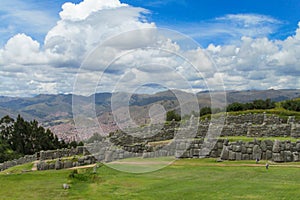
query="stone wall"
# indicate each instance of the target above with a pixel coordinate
(120, 145)
(277, 151)
(66, 163)
(248, 125)
(20, 161)
(60, 153)
(255, 125)
(45, 155)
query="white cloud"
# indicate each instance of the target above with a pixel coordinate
(21, 49)
(254, 61)
(97, 20)
(230, 28)
(247, 20)
(259, 63)
(82, 10)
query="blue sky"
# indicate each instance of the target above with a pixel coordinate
(186, 16)
(255, 44)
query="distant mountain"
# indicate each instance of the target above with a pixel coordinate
(250, 95)
(55, 111)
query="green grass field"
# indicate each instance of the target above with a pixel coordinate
(184, 179)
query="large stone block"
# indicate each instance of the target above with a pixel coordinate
(268, 142)
(288, 156)
(268, 155)
(276, 146)
(58, 164)
(51, 165)
(257, 152)
(249, 150)
(42, 165)
(263, 146)
(297, 148)
(225, 153)
(231, 155)
(277, 157)
(68, 164)
(220, 144)
(238, 156)
(244, 149)
(245, 157)
(288, 145)
(296, 157)
(237, 148)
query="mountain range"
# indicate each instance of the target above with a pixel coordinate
(55, 111)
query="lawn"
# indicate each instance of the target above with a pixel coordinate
(183, 179)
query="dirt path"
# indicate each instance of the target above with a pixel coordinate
(34, 167)
(140, 163)
(204, 164)
(82, 167)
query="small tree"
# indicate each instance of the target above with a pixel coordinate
(205, 111)
(173, 115)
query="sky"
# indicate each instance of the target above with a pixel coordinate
(86, 46)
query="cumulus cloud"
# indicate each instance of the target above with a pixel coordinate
(259, 62)
(21, 49)
(134, 52)
(81, 11)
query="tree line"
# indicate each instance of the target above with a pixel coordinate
(256, 104)
(293, 105)
(19, 137)
(235, 106)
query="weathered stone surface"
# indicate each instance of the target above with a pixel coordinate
(296, 157)
(237, 148)
(268, 155)
(277, 157)
(268, 142)
(263, 146)
(257, 152)
(225, 153)
(42, 165)
(276, 146)
(68, 164)
(245, 157)
(238, 156)
(58, 165)
(244, 149)
(232, 155)
(288, 156)
(249, 150)
(51, 165)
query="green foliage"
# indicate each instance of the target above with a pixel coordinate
(293, 105)
(205, 111)
(172, 115)
(19, 137)
(73, 173)
(256, 104)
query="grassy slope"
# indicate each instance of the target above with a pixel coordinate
(184, 179)
(278, 110)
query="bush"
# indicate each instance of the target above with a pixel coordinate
(205, 111)
(256, 104)
(293, 105)
(173, 115)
